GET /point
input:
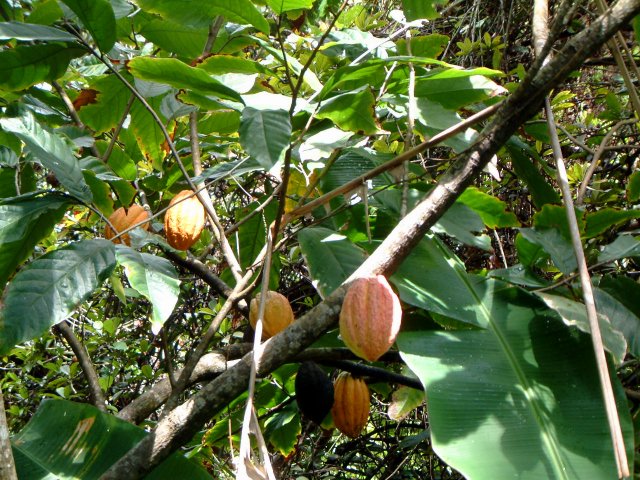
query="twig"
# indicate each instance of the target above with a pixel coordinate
(95, 390)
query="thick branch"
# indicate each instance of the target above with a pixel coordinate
(183, 422)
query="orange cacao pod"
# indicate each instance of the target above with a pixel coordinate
(370, 317)
(278, 314)
(122, 219)
(350, 405)
(184, 221)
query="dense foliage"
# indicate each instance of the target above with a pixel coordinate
(292, 120)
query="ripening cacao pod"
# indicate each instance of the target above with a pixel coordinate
(314, 391)
(278, 314)
(350, 405)
(370, 317)
(184, 220)
(122, 219)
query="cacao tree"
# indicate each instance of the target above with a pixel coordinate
(179, 180)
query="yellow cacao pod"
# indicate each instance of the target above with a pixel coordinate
(350, 405)
(370, 317)
(184, 221)
(122, 219)
(278, 314)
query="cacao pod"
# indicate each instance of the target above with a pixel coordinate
(314, 391)
(184, 220)
(122, 219)
(370, 317)
(351, 404)
(278, 314)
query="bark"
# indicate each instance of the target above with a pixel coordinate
(179, 426)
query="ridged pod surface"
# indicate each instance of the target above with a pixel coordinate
(122, 219)
(350, 405)
(370, 317)
(314, 391)
(278, 314)
(184, 221)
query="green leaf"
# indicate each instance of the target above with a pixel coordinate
(622, 247)
(155, 278)
(574, 314)
(492, 210)
(24, 221)
(633, 186)
(196, 13)
(433, 118)
(185, 40)
(220, 64)
(616, 297)
(279, 6)
(353, 111)
(331, 258)
(460, 222)
(51, 287)
(601, 221)
(442, 285)
(403, 401)
(541, 190)
(283, 428)
(61, 432)
(52, 151)
(111, 101)
(172, 71)
(147, 131)
(98, 18)
(520, 399)
(416, 9)
(430, 46)
(265, 135)
(555, 244)
(27, 65)
(27, 31)
(454, 90)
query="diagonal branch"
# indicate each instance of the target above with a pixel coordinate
(179, 426)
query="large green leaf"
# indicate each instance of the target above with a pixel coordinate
(441, 284)
(98, 18)
(575, 314)
(26, 31)
(77, 441)
(52, 151)
(111, 100)
(433, 118)
(352, 111)
(26, 65)
(155, 278)
(331, 258)
(24, 221)
(50, 288)
(265, 134)
(520, 399)
(196, 13)
(617, 298)
(180, 75)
